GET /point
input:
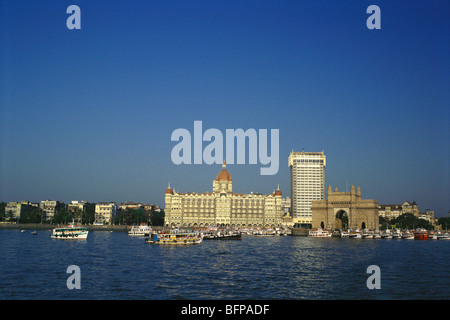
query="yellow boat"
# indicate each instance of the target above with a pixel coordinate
(175, 237)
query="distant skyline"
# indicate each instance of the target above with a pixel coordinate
(88, 114)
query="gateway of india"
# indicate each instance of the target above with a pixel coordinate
(347, 207)
(222, 207)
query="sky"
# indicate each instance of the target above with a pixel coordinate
(88, 114)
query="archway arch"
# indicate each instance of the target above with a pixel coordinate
(342, 218)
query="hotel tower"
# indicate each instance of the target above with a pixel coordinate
(307, 183)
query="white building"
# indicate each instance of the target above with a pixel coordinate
(222, 207)
(50, 207)
(105, 212)
(307, 183)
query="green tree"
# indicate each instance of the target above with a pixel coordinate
(444, 222)
(2, 211)
(62, 217)
(410, 221)
(34, 215)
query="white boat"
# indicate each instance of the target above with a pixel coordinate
(377, 236)
(140, 231)
(344, 234)
(70, 233)
(319, 233)
(408, 235)
(396, 234)
(367, 235)
(175, 237)
(443, 236)
(386, 234)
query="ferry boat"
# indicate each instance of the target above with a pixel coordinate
(421, 234)
(70, 232)
(319, 233)
(175, 237)
(140, 231)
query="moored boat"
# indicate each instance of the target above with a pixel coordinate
(421, 234)
(227, 235)
(319, 233)
(443, 236)
(396, 234)
(140, 231)
(408, 235)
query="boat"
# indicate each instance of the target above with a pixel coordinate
(421, 234)
(344, 234)
(367, 235)
(140, 231)
(443, 236)
(386, 234)
(70, 232)
(408, 235)
(377, 236)
(355, 234)
(227, 235)
(265, 233)
(319, 233)
(175, 237)
(34, 233)
(396, 234)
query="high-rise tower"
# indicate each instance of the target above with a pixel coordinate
(307, 183)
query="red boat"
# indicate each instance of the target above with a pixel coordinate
(421, 234)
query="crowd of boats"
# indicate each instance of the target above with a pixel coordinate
(177, 236)
(417, 234)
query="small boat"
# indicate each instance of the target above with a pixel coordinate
(443, 236)
(142, 230)
(227, 235)
(386, 234)
(377, 236)
(34, 233)
(319, 233)
(355, 234)
(396, 234)
(367, 235)
(71, 232)
(421, 234)
(175, 237)
(344, 234)
(408, 235)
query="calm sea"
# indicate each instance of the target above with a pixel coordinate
(114, 265)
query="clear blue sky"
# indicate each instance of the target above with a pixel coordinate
(88, 114)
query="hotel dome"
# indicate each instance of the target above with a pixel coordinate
(223, 174)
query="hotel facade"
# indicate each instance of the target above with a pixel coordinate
(222, 207)
(307, 183)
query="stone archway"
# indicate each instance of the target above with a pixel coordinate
(342, 218)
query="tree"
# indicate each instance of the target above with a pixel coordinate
(34, 215)
(2, 211)
(410, 221)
